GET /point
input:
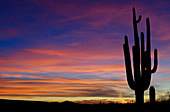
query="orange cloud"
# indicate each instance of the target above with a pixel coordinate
(18, 85)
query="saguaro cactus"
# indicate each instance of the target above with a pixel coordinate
(152, 94)
(141, 61)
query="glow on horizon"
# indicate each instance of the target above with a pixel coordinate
(82, 100)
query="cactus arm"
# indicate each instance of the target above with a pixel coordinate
(136, 48)
(148, 48)
(148, 36)
(147, 72)
(139, 19)
(155, 62)
(142, 53)
(142, 43)
(136, 37)
(128, 64)
(136, 66)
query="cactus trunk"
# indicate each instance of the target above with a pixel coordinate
(139, 96)
(140, 81)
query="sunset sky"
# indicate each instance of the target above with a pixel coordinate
(57, 50)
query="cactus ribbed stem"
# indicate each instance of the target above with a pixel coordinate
(141, 60)
(152, 94)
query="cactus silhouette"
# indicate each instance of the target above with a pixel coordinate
(152, 94)
(141, 61)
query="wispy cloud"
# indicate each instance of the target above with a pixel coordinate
(72, 60)
(39, 85)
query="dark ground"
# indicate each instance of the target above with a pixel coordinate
(73, 107)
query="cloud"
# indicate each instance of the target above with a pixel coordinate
(94, 14)
(13, 85)
(61, 60)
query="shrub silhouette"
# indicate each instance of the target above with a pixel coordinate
(141, 61)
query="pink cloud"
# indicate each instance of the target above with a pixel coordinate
(62, 61)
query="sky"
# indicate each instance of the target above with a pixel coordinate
(58, 50)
